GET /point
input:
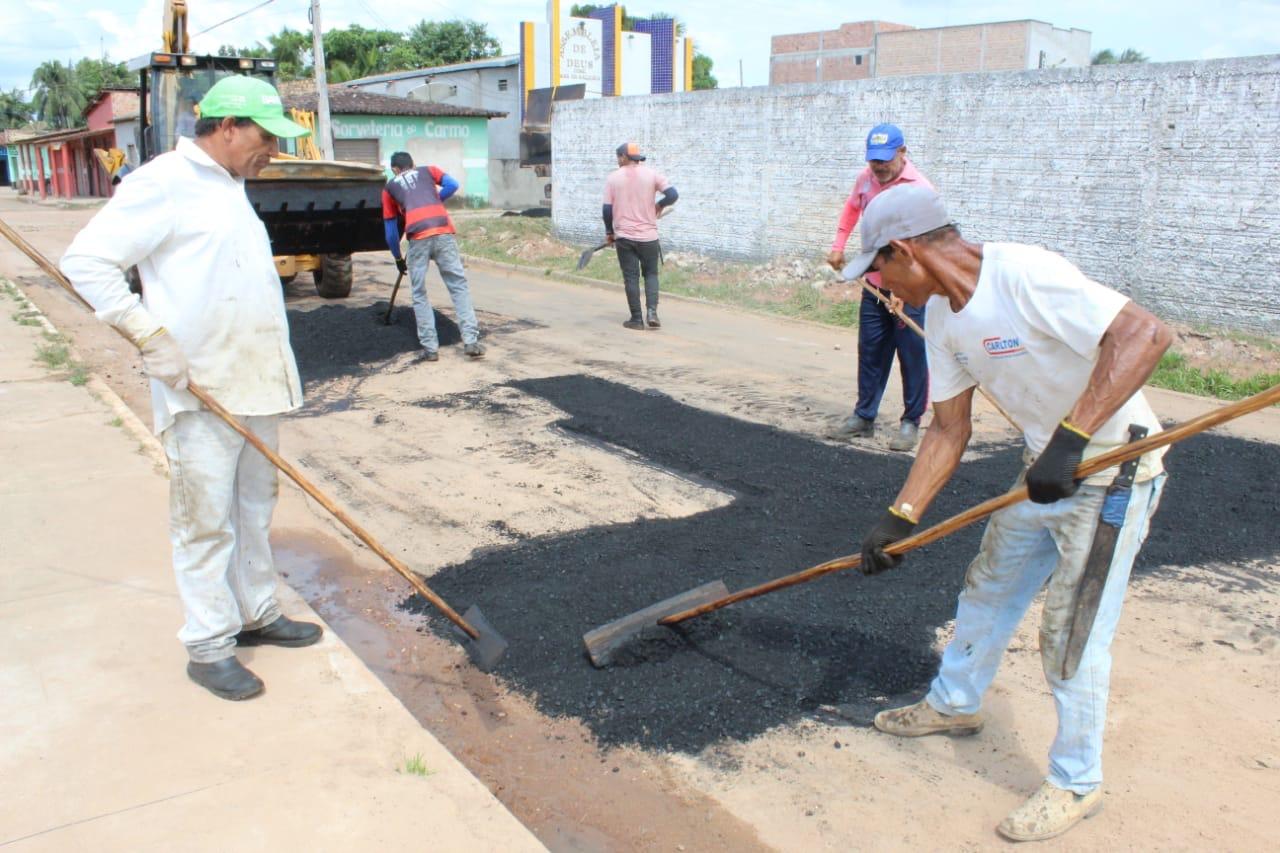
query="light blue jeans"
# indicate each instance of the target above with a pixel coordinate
(443, 249)
(222, 493)
(1025, 547)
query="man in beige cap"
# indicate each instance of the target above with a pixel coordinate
(212, 310)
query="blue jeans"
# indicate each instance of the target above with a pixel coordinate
(1025, 547)
(880, 335)
(443, 249)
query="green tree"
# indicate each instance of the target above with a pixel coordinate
(57, 99)
(1107, 56)
(357, 52)
(290, 49)
(702, 76)
(14, 110)
(91, 75)
(448, 42)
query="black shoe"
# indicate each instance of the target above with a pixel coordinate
(634, 323)
(282, 632)
(475, 350)
(653, 319)
(428, 355)
(226, 679)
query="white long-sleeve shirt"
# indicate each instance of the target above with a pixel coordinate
(207, 276)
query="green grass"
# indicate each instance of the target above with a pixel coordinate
(732, 286)
(416, 766)
(55, 355)
(1174, 373)
(79, 375)
(117, 422)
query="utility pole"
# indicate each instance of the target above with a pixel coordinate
(739, 73)
(324, 132)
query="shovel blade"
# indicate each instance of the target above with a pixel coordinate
(585, 258)
(487, 649)
(604, 642)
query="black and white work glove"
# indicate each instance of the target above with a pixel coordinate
(891, 527)
(402, 265)
(1052, 477)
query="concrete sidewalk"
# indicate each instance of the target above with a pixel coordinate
(105, 744)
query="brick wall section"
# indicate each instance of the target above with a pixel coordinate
(907, 52)
(1158, 180)
(1007, 46)
(786, 69)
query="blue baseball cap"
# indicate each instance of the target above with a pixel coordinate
(883, 142)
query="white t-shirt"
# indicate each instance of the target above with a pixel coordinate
(1029, 336)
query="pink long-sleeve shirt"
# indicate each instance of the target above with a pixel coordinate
(865, 188)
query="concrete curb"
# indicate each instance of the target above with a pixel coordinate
(96, 386)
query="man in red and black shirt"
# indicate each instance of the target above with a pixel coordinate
(416, 196)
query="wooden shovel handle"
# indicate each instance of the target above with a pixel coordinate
(273, 457)
(1090, 466)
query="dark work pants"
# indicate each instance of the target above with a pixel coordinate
(635, 258)
(880, 335)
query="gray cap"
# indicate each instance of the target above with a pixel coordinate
(898, 213)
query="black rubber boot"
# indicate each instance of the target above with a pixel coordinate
(636, 322)
(653, 319)
(282, 632)
(226, 679)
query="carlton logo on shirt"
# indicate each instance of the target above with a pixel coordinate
(1001, 347)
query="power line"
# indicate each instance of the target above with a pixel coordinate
(234, 17)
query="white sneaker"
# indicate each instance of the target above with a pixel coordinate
(1049, 812)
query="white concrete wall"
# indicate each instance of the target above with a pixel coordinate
(1159, 180)
(637, 63)
(1063, 48)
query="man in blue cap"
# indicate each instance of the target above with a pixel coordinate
(880, 333)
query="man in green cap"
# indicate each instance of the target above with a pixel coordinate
(212, 310)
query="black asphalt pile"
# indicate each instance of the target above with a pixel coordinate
(330, 341)
(841, 640)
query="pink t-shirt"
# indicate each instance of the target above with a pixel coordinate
(865, 188)
(633, 192)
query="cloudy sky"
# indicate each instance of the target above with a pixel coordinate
(1169, 30)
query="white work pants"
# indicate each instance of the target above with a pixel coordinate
(221, 495)
(1025, 547)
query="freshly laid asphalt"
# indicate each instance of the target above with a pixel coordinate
(841, 640)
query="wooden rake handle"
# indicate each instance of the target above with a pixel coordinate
(273, 457)
(915, 327)
(1090, 466)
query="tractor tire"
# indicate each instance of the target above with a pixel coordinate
(333, 278)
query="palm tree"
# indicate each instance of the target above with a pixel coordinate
(1107, 56)
(14, 111)
(58, 99)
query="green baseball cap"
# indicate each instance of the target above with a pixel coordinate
(249, 97)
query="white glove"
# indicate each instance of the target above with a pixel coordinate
(163, 360)
(161, 356)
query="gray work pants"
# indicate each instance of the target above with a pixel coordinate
(636, 258)
(443, 249)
